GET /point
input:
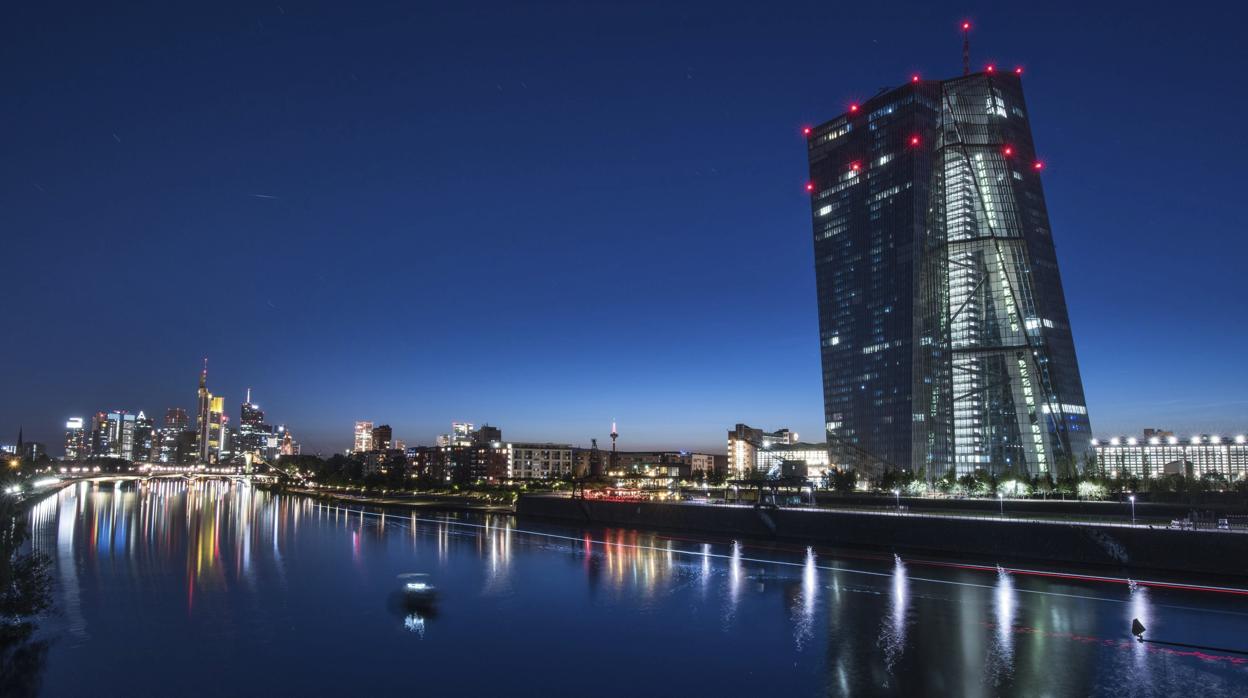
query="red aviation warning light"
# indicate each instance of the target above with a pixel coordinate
(855, 166)
(805, 130)
(914, 78)
(853, 108)
(991, 68)
(914, 140)
(810, 187)
(1018, 70)
(1007, 151)
(1037, 165)
(966, 26)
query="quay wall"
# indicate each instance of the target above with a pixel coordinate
(1122, 548)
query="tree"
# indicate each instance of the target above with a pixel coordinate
(25, 591)
(844, 480)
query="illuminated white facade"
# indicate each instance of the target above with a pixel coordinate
(1157, 456)
(363, 437)
(754, 452)
(74, 440)
(535, 460)
(770, 462)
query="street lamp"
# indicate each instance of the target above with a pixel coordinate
(1001, 501)
(897, 494)
(1132, 498)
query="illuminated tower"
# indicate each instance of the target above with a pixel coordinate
(210, 422)
(363, 441)
(615, 434)
(204, 402)
(74, 439)
(944, 335)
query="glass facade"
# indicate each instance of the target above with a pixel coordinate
(944, 334)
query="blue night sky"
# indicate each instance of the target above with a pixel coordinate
(549, 217)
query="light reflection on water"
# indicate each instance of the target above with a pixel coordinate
(181, 574)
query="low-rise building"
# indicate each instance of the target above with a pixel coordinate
(1160, 453)
(538, 460)
(754, 452)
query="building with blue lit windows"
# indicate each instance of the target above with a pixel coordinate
(944, 336)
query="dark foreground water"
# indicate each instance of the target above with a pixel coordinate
(212, 588)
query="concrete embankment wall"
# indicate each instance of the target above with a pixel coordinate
(1119, 511)
(1132, 549)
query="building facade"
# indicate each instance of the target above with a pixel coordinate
(793, 460)
(745, 441)
(944, 336)
(1160, 454)
(210, 421)
(75, 439)
(120, 439)
(363, 442)
(382, 438)
(145, 440)
(253, 435)
(538, 461)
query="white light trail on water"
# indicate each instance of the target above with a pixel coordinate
(734, 558)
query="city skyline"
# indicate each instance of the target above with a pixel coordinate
(708, 319)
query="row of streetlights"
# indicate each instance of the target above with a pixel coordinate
(1001, 501)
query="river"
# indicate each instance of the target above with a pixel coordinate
(212, 588)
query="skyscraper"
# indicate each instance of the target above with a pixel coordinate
(74, 439)
(382, 437)
(210, 420)
(253, 433)
(944, 335)
(170, 437)
(145, 440)
(119, 441)
(363, 437)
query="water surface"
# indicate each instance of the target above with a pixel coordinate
(170, 588)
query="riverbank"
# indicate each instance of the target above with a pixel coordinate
(1132, 549)
(429, 501)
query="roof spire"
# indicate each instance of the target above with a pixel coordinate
(966, 48)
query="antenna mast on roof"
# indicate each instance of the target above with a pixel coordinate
(966, 48)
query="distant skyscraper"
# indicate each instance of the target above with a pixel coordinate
(145, 439)
(363, 437)
(253, 433)
(210, 422)
(176, 418)
(74, 439)
(119, 438)
(98, 441)
(288, 447)
(383, 437)
(943, 328)
(170, 439)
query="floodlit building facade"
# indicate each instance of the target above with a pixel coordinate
(363, 442)
(1159, 455)
(75, 439)
(745, 443)
(210, 421)
(944, 336)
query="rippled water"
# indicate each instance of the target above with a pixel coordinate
(174, 589)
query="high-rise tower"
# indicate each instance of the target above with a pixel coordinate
(615, 458)
(210, 421)
(944, 335)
